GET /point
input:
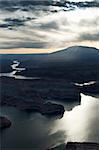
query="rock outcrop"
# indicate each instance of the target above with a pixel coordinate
(53, 109)
(77, 146)
(4, 122)
(47, 109)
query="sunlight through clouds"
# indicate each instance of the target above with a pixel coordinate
(40, 27)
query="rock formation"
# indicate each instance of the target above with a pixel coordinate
(77, 146)
(4, 122)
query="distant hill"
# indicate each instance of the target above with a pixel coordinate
(77, 52)
(74, 55)
(74, 63)
(77, 63)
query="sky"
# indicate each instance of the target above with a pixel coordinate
(40, 26)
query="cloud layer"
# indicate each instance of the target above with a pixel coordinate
(48, 24)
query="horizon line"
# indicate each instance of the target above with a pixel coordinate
(39, 51)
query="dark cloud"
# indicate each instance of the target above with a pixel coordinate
(35, 2)
(11, 23)
(50, 25)
(31, 45)
(14, 22)
(73, 5)
(89, 37)
(9, 45)
(4, 26)
(26, 5)
(54, 24)
(86, 4)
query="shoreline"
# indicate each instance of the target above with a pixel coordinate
(77, 146)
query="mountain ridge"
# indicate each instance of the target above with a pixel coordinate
(74, 54)
(79, 46)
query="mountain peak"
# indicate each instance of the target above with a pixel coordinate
(76, 53)
(76, 48)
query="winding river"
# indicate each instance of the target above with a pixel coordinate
(36, 132)
(15, 70)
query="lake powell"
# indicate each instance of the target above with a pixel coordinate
(69, 78)
(37, 132)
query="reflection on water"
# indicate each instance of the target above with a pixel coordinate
(15, 69)
(82, 123)
(36, 132)
(29, 131)
(15, 65)
(85, 84)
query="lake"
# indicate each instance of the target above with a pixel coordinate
(37, 132)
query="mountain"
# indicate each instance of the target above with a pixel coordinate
(76, 55)
(77, 51)
(77, 62)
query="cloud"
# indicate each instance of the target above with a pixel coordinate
(24, 5)
(12, 23)
(89, 37)
(40, 24)
(91, 22)
(22, 44)
(50, 25)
